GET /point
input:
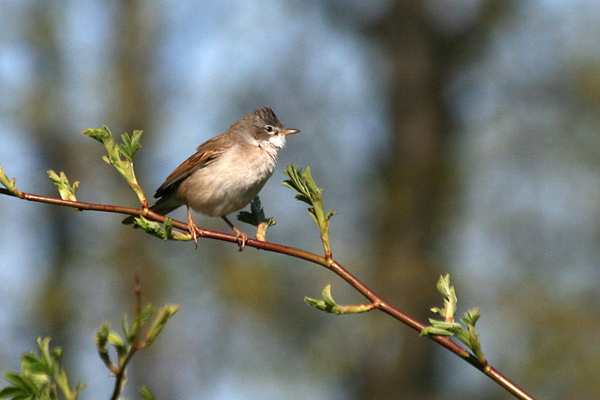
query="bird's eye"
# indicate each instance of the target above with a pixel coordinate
(269, 129)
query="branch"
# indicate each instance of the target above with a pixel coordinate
(121, 158)
(126, 346)
(326, 262)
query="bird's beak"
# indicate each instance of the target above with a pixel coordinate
(289, 131)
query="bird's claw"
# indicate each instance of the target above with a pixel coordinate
(192, 227)
(194, 233)
(241, 239)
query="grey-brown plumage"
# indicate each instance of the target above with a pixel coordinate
(227, 171)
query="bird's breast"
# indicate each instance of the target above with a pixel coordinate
(229, 183)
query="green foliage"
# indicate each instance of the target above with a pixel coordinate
(41, 377)
(164, 231)
(7, 183)
(159, 323)
(450, 328)
(256, 214)
(330, 306)
(146, 394)
(66, 191)
(131, 144)
(256, 217)
(131, 341)
(450, 300)
(303, 183)
(309, 193)
(121, 156)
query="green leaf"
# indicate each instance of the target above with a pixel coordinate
(125, 328)
(450, 328)
(100, 135)
(475, 345)
(471, 316)
(48, 359)
(126, 349)
(14, 393)
(159, 323)
(151, 227)
(327, 304)
(131, 144)
(308, 192)
(450, 300)
(430, 331)
(256, 214)
(256, 217)
(102, 335)
(22, 382)
(114, 152)
(40, 376)
(106, 138)
(303, 183)
(101, 342)
(168, 226)
(33, 365)
(7, 183)
(146, 394)
(164, 231)
(115, 340)
(66, 191)
(330, 306)
(132, 332)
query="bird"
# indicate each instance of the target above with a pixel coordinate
(226, 173)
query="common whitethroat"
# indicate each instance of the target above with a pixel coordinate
(227, 171)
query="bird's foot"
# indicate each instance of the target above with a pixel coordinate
(193, 229)
(241, 239)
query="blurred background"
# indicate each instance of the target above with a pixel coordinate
(454, 136)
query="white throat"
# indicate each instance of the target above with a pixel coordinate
(272, 145)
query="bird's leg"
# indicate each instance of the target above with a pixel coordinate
(241, 236)
(192, 226)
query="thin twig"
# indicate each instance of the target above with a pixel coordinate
(304, 255)
(120, 374)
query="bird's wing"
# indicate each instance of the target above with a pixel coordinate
(207, 153)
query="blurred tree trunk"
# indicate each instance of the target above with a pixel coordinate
(134, 47)
(45, 115)
(414, 175)
(52, 123)
(132, 109)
